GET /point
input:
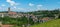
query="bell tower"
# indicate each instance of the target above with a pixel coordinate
(8, 9)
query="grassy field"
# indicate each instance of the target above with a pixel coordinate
(52, 23)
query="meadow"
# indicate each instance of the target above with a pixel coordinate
(52, 23)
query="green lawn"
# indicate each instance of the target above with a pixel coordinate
(52, 23)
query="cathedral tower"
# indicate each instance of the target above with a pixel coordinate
(8, 9)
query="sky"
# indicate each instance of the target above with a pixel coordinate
(29, 5)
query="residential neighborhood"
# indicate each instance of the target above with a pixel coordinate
(29, 13)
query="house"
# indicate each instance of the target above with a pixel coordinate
(45, 19)
(12, 13)
(6, 25)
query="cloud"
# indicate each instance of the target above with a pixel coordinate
(30, 4)
(12, 3)
(14, 7)
(21, 9)
(0, 8)
(8, 0)
(39, 7)
(3, 5)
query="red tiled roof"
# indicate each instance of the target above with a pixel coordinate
(45, 18)
(6, 25)
(12, 13)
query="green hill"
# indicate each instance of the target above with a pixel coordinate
(52, 23)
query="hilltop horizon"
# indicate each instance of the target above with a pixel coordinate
(28, 11)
